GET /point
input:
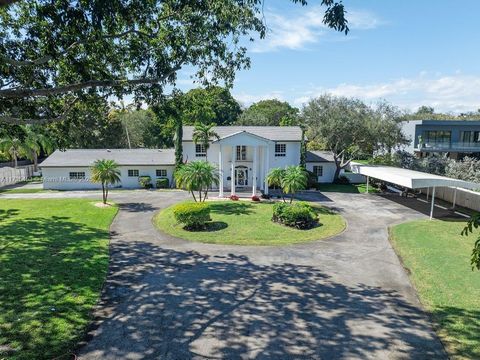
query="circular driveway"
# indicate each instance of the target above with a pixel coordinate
(344, 297)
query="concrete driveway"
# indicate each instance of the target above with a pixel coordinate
(345, 297)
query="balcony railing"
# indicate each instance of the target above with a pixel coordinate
(454, 146)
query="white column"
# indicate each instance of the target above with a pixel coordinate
(267, 166)
(368, 181)
(254, 173)
(220, 170)
(433, 203)
(454, 197)
(232, 176)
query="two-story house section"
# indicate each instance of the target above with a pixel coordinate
(455, 138)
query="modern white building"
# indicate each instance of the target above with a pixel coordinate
(243, 154)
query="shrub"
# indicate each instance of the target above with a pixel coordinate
(312, 180)
(162, 183)
(255, 198)
(342, 180)
(266, 196)
(145, 182)
(193, 216)
(299, 215)
(234, 197)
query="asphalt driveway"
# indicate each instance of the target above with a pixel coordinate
(344, 297)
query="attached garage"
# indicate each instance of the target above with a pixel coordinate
(71, 169)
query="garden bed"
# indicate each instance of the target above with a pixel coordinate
(250, 223)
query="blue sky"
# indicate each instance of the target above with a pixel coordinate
(408, 52)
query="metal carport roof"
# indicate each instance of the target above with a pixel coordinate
(410, 178)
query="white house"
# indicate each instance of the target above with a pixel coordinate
(242, 153)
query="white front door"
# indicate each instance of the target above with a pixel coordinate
(241, 176)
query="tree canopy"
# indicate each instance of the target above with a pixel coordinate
(53, 53)
(269, 113)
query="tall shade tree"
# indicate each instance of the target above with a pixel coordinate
(105, 172)
(294, 179)
(12, 146)
(274, 178)
(347, 127)
(203, 134)
(54, 52)
(197, 176)
(269, 113)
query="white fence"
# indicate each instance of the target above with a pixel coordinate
(9, 176)
(466, 198)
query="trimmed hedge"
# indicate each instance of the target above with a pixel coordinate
(299, 215)
(145, 182)
(162, 183)
(194, 216)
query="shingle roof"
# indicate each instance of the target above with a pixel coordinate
(319, 156)
(86, 157)
(274, 133)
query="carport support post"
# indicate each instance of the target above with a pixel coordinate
(433, 203)
(368, 181)
(454, 197)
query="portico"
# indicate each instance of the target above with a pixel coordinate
(243, 163)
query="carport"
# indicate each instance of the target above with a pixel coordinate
(411, 179)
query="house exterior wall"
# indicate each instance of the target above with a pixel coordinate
(416, 128)
(292, 156)
(57, 178)
(328, 171)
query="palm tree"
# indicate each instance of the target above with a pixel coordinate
(106, 173)
(197, 176)
(13, 146)
(202, 134)
(274, 178)
(294, 179)
(34, 143)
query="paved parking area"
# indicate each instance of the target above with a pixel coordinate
(345, 297)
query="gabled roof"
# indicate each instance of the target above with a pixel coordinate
(242, 132)
(319, 156)
(274, 133)
(86, 157)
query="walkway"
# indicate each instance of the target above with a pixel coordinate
(346, 297)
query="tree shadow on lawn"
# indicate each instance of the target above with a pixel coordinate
(231, 208)
(460, 323)
(137, 207)
(51, 270)
(5, 214)
(162, 303)
(210, 226)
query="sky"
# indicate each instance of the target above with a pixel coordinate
(408, 52)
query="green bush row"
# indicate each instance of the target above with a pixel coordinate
(194, 216)
(299, 215)
(146, 182)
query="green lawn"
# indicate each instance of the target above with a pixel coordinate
(349, 188)
(54, 259)
(249, 223)
(438, 258)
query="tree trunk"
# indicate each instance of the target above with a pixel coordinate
(103, 193)
(193, 194)
(35, 161)
(15, 160)
(291, 198)
(106, 194)
(337, 172)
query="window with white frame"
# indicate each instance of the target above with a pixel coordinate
(77, 175)
(318, 170)
(133, 173)
(241, 152)
(200, 150)
(161, 172)
(280, 149)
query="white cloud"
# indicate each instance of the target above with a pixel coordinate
(294, 32)
(247, 99)
(448, 93)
